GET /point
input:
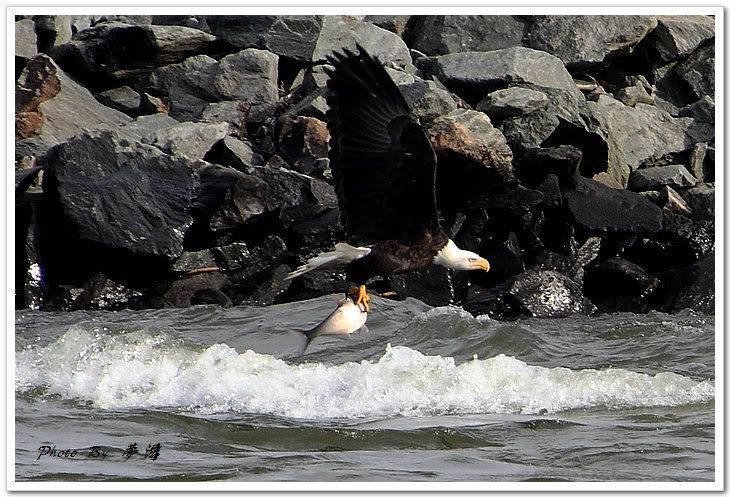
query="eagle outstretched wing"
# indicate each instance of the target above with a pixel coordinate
(383, 165)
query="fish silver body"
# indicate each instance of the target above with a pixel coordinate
(346, 319)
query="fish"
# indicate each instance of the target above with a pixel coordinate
(345, 320)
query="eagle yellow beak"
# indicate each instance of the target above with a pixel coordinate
(482, 264)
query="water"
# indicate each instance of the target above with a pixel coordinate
(427, 394)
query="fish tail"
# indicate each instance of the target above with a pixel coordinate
(309, 335)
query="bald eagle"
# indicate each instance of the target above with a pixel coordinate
(384, 172)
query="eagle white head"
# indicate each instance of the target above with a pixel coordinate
(453, 257)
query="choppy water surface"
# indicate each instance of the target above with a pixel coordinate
(428, 394)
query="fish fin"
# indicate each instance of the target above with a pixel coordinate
(308, 336)
(364, 329)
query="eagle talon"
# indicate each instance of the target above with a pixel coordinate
(360, 296)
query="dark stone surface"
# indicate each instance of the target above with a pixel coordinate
(695, 69)
(561, 161)
(677, 36)
(617, 285)
(123, 99)
(302, 141)
(511, 102)
(701, 199)
(691, 287)
(653, 178)
(703, 110)
(675, 246)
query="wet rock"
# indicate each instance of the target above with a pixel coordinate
(440, 35)
(702, 110)
(537, 163)
(617, 285)
(261, 277)
(191, 140)
(511, 102)
(584, 41)
(534, 293)
(394, 24)
(677, 36)
(701, 199)
(302, 141)
(597, 208)
(695, 69)
(180, 292)
(123, 99)
(675, 246)
(433, 285)
(478, 73)
(233, 257)
(505, 259)
(315, 284)
(470, 135)
(426, 100)
(653, 178)
(691, 287)
(25, 40)
(51, 107)
(288, 36)
(235, 153)
(207, 296)
(317, 235)
(102, 293)
(191, 262)
(113, 206)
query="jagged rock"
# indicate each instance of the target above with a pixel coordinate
(102, 293)
(123, 99)
(235, 153)
(691, 287)
(597, 208)
(511, 102)
(701, 199)
(696, 70)
(191, 140)
(672, 92)
(675, 246)
(208, 296)
(702, 110)
(672, 202)
(112, 206)
(470, 135)
(635, 94)
(139, 20)
(653, 178)
(505, 259)
(194, 262)
(315, 284)
(636, 135)
(180, 292)
(288, 36)
(50, 107)
(478, 73)
(115, 52)
(261, 278)
(301, 141)
(584, 41)
(677, 36)
(25, 40)
(197, 22)
(394, 24)
(562, 161)
(534, 293)
(317, 235)
(233, 257)
(55, 30)
(516, 199)
(432, 285)
(144, 126)
(426, 100)
(550, 188)
(250, 75)
(608, 180)
(617, 285)
(440, 35)
(697, 161)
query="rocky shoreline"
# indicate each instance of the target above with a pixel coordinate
(180, 160)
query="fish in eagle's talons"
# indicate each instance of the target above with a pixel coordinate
(384, 173)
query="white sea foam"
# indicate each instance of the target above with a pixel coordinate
(145, 370)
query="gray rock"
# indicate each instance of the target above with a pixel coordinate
(697, 161)
(483, 72)
(636, 94)
(25, 39)
(141, 20)
(123, 99)
(673, 202)
(562, 161)
(469, 134)
(235, 153)
(302, 141)
(608, 180)
(288, 36)
(191, 140)
(250, 75)
(653, 178)
(194, 261)
(584, 41)
(394, 24)
(144, 126)
(426, 100)
(511, 102)
(534, 293)
(197, 22)
(702, 110)
(51, 107)
(677, 36)
(697, 70)
(440, 35)
(598, 209)
(55, 30)
(701, 199)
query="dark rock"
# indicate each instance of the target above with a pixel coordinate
(586, 253)
(584, 41)
(597, 208)
(317, 235)
(180, 292)
(505, 259)
(702, 110)
(677, 36)
(315, 284)
(634, 94)
(55, 30)
(152, 105)
(208, 296)
(112, 206)
(479, 73)
(516, 199)
(550, 188)
(653, 178)
(188, 85)
(672, 202)
(511, 102)
(537, 163)
(426, 100)
(190, 262)
(675, 246)
(301, 141)
(52, 107)
(617, 285)
(102, 293)
(696, 70)
(191, 140)
(288, 36)
(697, 161)
(123, 99)
(433, 285)
(140, 20)
(233, 257)
(261, 277)
(701, 199)
(439, 35)
(534, 293)
(234, 153)
(691, 287)
(25, 40)
(470, 135)
(272, 289)
(394, 24)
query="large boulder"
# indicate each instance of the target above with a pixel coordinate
(618, 285)
(653, 178)
(26, 42)
(511, 102)
(701, 199)
(192, 140)
(584, 41)
(426, 100)
(677, 36)
(691, 287)
(697, 70)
